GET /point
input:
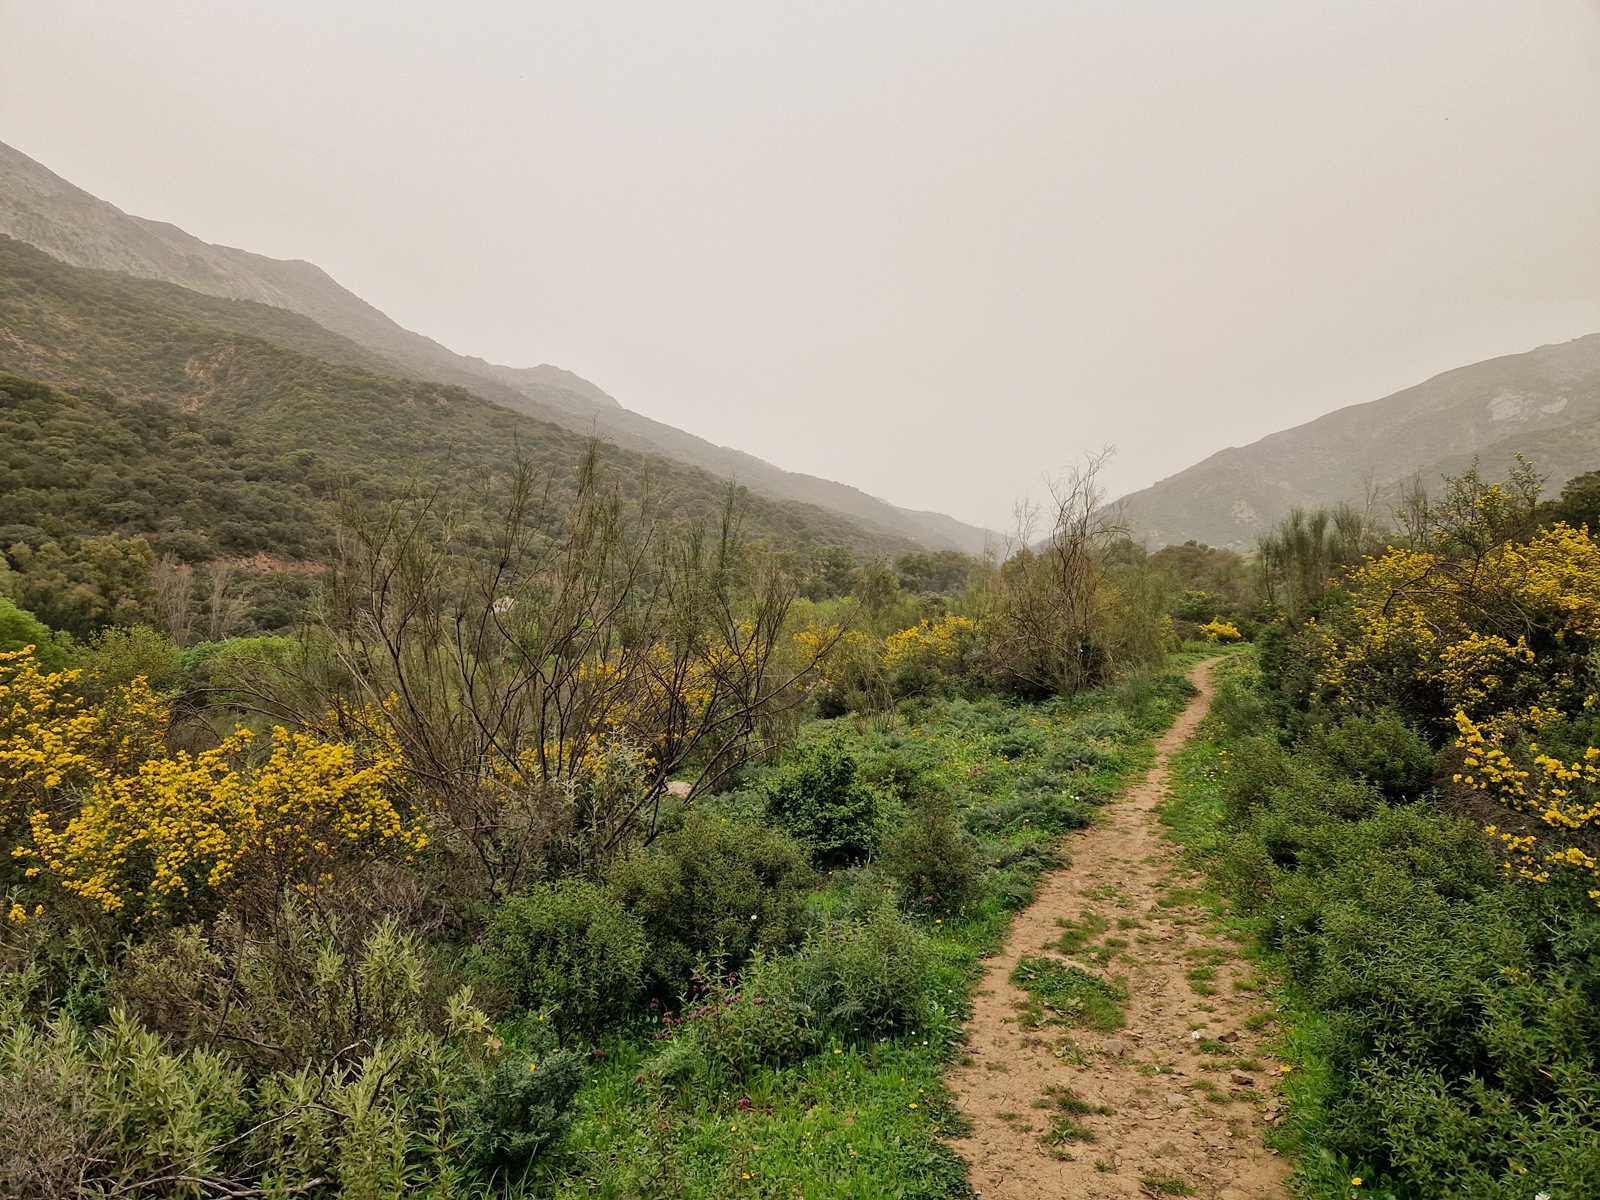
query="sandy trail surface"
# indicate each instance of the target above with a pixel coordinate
(1186, 1112)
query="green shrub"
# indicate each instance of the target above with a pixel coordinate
(1256, 765)
(820, 799)
(864, 978)
(713, 889)
(1381, 749)
(1457, 1036)
(1074, 756)
(739, 1023)
(1239, 708)
(522, 1109)
(20, 628)
(570, 949)
(932, 859)
(118, 656)
(1153, 699)
(1017, 743)
(105, 1109)
(1043, 811)
(1100, 726)
(894, 769)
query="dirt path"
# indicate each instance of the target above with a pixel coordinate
(1174, 1123)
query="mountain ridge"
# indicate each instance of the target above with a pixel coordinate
(1544, 403)
(52, 214)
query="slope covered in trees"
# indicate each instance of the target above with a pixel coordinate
(43, 210)
(213, 428)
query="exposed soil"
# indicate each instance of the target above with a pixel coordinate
(1174, 1124)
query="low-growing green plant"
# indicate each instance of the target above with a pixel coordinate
(713, 888)
(1066, 995)
(865, 978)
(734, 1025)
(1040, 811)
(1067, 1108)
(931, 857)
(523, 1108)
(1435, 1000)
(1380, 749)
(1077, 935)
(820, 799)
(1071, 756)
(570, 949)
(1166, 1183)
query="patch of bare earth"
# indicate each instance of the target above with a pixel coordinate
(1185, 1112)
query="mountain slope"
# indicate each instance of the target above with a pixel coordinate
(297, 406)
(1544, 404)
(44, 210)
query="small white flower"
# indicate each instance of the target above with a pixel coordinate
(1542, 1196)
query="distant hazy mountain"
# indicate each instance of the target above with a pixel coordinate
(1545, 404)
(44, 210)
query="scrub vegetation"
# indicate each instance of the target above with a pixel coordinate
(399, 795)
(559, 841)
(1396, 793)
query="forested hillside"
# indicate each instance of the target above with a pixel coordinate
(43, 210)
(158, 378)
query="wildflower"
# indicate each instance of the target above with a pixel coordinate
(1356, 1182)
(838, 1051)
(913, 1106)
(533, 1066)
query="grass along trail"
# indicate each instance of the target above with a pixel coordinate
(1131, 1065)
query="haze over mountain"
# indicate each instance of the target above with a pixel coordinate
(42, 209)
(1544, 404)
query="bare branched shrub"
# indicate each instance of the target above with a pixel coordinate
(1051, 608)
(549, 659)
(223, 611)
(173, 580)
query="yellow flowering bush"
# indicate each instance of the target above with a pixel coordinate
(1565, 796)
(930, 645)
(1496, 645)
(53, 743)
(1218, 630)
(114, 818)
(852, 661)
(1429, 625)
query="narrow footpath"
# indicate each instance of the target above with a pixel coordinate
(1186, 1083)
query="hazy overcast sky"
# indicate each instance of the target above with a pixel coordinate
(930, 249)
